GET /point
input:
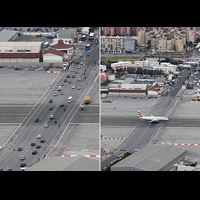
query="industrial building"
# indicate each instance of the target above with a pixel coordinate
(67, 35)
(152, 158)
(8, 35)
(20, 51)
(78, 163)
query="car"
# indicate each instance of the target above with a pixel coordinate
(62, 84)
(34, 152)
(79, 87)
(62, 93)
(65, 80)
(81, 62)
(69, 82)
(42, 140)
(46, 126)
(23, 165)
(39, 136)
(73, 86)
(33, 144)
(59, 89)
(72, 70)
(51, 108)
(19, 149)
(55, 94)
(73, 76)
(38, 146)
(78, 67)
(62, 105)
(68, 76)
(76, 72)
(36, 119)
(51, 101)
(51, 117)
(22, 158)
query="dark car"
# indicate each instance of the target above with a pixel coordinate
(62, 105)
(50, 100)
(68, 76)
(42, 140)
(69, 82)
(19, 149)
(33, 144)
(51, 108)
(23, 164)
(37, 119)
(34, 152)
(65, 80)
(38, 146)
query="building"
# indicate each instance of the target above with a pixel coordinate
(63, 47)
(128, 89)
(78, 163)
(155, 90)
(122, 63)
(146, 63)
(20, 51)
(8, 35)
(112, 44)
(166, 38)
(152, 158)
(129, 44)
(59, 52)
(108, 76)
(67, 35)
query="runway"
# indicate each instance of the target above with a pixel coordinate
(127, 121)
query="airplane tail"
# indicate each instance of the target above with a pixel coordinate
(139, 114)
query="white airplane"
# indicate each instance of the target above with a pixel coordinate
(151, 118)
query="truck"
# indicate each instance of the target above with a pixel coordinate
(87, 100)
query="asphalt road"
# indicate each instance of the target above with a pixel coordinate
(28, 131)
(144, 132)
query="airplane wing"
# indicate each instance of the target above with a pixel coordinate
(152, 120)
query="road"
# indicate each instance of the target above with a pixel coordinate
(145, 133)
(28, 130)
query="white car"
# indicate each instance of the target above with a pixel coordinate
(72, 70)
(55, 94)
(39, 136)
(73, 86)
(22, 158)
(46, 125)
(51, 117)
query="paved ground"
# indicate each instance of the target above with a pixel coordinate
(119, 119)
(20, 90)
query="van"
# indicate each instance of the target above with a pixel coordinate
(70, 99)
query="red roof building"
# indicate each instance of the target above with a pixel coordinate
(61, 46)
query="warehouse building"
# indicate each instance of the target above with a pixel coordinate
(8, 35)
(152, 158)
(78, 163)
(20, 51)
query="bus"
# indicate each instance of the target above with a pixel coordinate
(91, 37)
(87, 47)
(84, 37)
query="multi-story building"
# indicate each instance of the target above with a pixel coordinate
(122, 31)
(112, 44)
(129, 44)
(171, 38)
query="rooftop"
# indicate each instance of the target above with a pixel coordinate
(152, 158)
